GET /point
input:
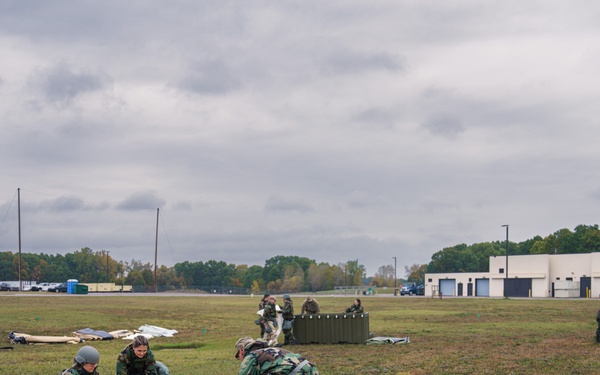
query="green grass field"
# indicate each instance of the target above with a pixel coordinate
(449, 336)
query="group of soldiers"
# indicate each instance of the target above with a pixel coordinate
(265, 355)
(135, 359)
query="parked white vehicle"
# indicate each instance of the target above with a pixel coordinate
(43, 287)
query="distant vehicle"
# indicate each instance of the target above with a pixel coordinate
(412, 289)
(60, 288)
(6, 287)
(43, 287)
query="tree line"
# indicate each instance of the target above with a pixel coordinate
(280, 274)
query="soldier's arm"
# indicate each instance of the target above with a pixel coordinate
(248, 366)
(121, 365)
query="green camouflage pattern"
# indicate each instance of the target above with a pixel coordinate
(260, 359)
(129, 364)
(77, 370)
(288, 310)
(288, 315)
(270, 313)
(355, 309)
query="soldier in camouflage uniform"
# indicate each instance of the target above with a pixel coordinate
(270, 321)
(261, 305)
(288, 319)
(85, 363)
(355, 308)
(258, 358)
(138, 359)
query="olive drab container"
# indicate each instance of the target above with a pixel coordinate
(337, 328)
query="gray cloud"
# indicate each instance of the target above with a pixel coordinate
(61, 84)
(446, 125)
(327, 130)
(143, 200)
(349, 62)
(210, 77)
(275, 204)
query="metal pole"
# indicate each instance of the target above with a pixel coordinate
(19, 215)
(156, 250)
(506, 268)
(107, 275)
(395, 277)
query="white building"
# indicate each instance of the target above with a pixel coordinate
(543, 275)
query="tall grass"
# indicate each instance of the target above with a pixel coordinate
(449, 336)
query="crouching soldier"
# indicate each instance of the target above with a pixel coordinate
(85, 363)
(138, 359)
(259, 358)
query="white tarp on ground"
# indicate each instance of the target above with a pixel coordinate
(388, 340)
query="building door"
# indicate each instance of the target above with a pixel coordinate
(585, 284)
(470, 289)
(482, 287)
(447, 287)
(517, 287)
(460, 290)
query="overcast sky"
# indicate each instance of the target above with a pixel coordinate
(333, 130)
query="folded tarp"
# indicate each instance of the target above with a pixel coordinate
(157, 331)
(134, 335)
(120, 333)
(92, 334)
(23, 338)
(388, 340)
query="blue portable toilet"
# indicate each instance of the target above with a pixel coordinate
(71, 286)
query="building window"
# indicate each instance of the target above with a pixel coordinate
(470, 279)
(569, 279)
(429, 280)
(558, 278)
(501, 270)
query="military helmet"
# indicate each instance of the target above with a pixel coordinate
(286, 296)
(87, 354)
(242, 343)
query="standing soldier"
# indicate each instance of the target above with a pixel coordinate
(261, 305)
(288, 319)
(270, 321)
(258, 359)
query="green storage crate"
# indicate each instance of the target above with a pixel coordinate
(333, 328)
(81, 289)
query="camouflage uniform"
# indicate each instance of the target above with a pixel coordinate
(270, 321)
(129, 364)
(355, 309)
(261, 305)
(288, 316)
(78, 370)
(260, 359)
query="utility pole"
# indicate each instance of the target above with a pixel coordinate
(506, 268)
(156, 250)
(395, 277)
(107, 274)
(19, 215)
